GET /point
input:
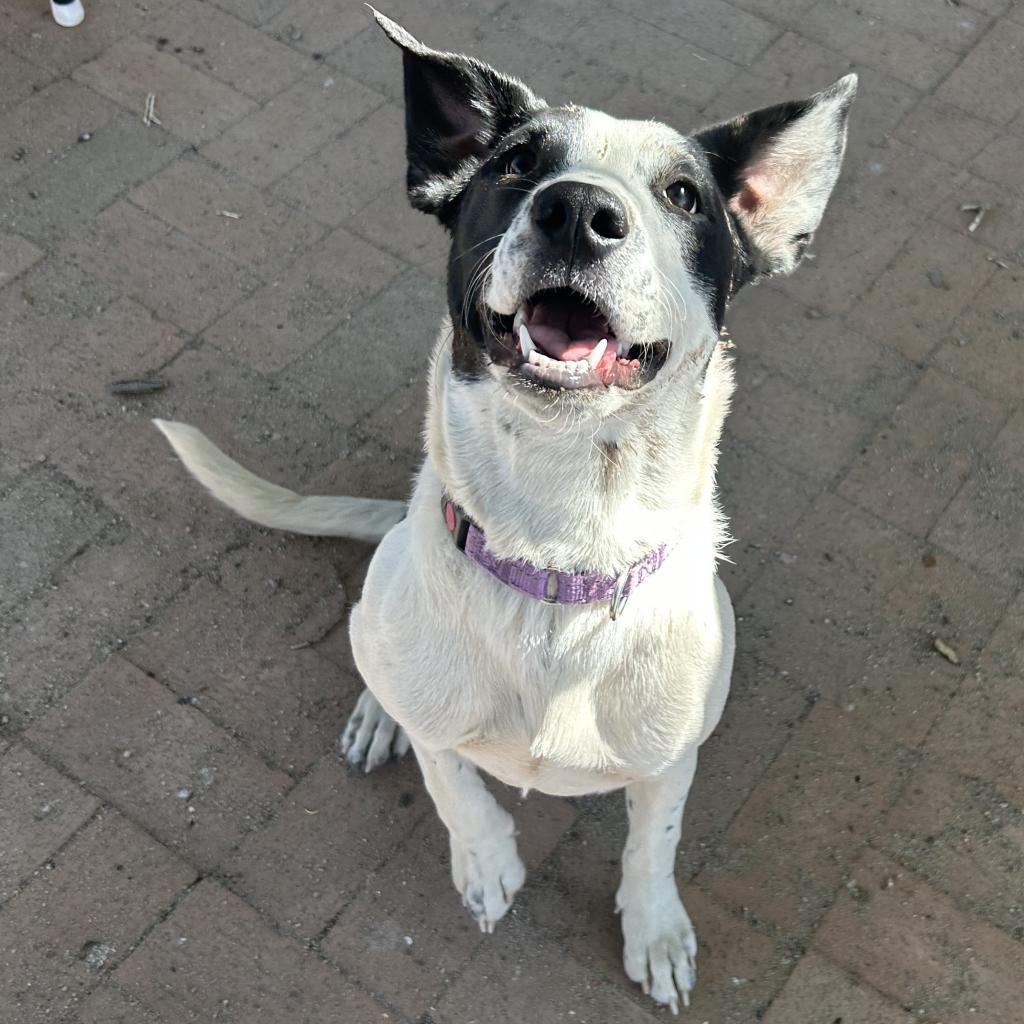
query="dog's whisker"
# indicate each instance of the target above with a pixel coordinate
(463, 255)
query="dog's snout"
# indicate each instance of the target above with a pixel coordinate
(581, 219)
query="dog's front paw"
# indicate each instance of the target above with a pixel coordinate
(660, 950)
(372, 736)
(487, 877)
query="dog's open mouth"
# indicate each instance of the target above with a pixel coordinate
(560, 339)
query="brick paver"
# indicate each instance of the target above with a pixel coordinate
(109, 1005)
(189, 969)
(82, 914)
(841, 647)
(964, 837)
(981, 348)
(193, 106)
(302, 885)
(40, 810)
(161, 761)
(119, 155)
(819, 990)
(198, 198)
(915, 463)
(252, 674)
(179, 840)
(295, 310)
(18, 254)
(220, 46)
(784, 854)
(890, 927)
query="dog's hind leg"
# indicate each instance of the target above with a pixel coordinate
(660, 944)
(372, 737)
(486, 868)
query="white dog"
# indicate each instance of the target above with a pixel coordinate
(546, 607)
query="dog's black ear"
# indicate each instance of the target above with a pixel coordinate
(456, 109)
(776, 168)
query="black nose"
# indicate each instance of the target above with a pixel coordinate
(580, 220)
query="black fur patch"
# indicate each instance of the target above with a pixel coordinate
(465, 122)
(490, 201)
(456, 108)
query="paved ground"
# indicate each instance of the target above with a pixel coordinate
(178, 840)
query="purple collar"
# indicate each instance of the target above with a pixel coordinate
(549, 585)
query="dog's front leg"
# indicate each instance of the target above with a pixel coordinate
(660, 944)
(486, 868)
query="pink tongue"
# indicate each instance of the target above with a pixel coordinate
(566, 329)
(559, 345)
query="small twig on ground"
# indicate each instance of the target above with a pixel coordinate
(149, 113)
(949, 653)
(229, 215)
(979, 210)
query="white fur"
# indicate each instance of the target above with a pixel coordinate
(660, 944)
(372, 737)
(643, 287)
(564, 699)
(269, 505)
(486, 868)
(560, 699)
(562, 719)
(786, 189)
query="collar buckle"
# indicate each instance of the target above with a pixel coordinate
(620, 595)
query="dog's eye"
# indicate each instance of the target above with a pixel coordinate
(521, 162)
(683, 195)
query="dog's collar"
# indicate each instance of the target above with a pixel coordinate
(549, 585)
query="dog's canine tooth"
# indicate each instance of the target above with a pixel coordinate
(598, 351)
(536, 358)
(517, 321)
(526, 342)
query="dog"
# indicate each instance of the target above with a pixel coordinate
(546, 607)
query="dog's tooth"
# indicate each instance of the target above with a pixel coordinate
(596, 353)
(517, 321)
(526, 342)
(579, 372)
(536, 358)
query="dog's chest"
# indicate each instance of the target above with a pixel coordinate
(514, 765)
(559, 735)
(544, 698)
(579, 715)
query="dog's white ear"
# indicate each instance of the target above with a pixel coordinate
(456, 109)
(777, 167)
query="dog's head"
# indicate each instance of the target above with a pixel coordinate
(592, 257)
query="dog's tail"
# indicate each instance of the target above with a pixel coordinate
(277, 507)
